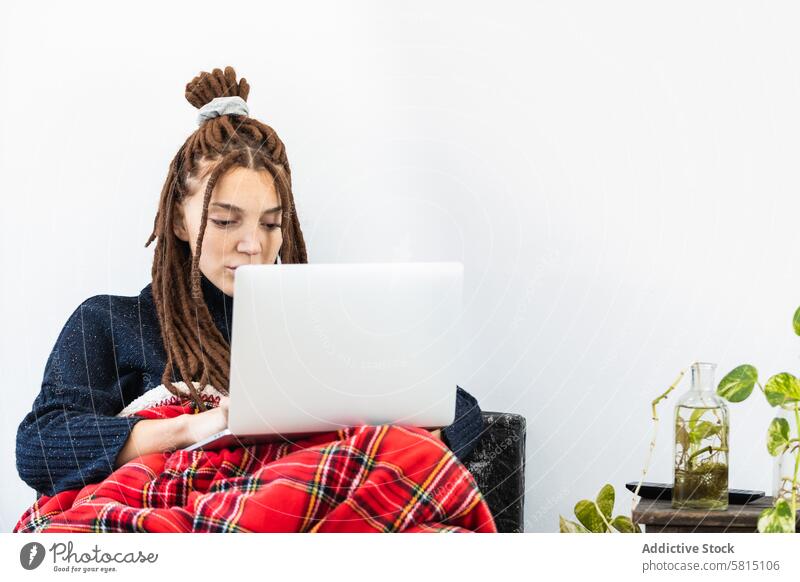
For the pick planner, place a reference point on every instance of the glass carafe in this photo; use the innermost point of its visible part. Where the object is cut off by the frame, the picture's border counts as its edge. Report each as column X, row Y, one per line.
column 701, row 445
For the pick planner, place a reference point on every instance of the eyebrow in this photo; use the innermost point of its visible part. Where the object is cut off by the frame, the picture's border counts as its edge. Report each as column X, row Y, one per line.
column 233, row 208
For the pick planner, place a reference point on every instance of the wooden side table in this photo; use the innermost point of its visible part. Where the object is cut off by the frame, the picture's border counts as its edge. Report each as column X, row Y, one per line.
column 658, row 517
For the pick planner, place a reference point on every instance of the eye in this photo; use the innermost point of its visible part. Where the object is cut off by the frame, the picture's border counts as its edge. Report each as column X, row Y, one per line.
column 222, row 223
column 272, row 226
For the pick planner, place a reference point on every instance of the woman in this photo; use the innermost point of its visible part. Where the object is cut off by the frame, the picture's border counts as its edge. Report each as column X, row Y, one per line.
column 227, row 201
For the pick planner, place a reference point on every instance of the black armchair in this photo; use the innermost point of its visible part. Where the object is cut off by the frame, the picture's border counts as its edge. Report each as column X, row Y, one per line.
column 498, row 465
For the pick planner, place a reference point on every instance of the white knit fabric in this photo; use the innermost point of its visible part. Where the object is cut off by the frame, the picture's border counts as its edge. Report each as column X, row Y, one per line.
column 161, row 396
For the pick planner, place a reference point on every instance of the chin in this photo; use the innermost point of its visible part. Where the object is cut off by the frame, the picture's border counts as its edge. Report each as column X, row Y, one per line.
column 225, row 282
column 227, row 288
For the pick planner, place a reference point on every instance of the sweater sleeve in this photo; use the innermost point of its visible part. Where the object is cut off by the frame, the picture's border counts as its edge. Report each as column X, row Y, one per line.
column 71, row 437
column 463, row 435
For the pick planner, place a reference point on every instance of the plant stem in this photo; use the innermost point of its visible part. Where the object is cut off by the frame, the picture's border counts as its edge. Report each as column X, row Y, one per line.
column 664, row 395
column 709, row 449
column 603, row 517
column 796, row 468
column 653, row 439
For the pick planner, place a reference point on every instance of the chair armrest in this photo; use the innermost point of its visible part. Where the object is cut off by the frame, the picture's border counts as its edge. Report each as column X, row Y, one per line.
column 498, row 465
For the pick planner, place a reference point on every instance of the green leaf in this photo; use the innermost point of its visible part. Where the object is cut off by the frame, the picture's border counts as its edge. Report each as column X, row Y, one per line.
column 567, row 526
column 738, row 383
column 703, row 430
column 778, row 519
column 587, row 513
column 696, row 414
column 624, row 524
column 605, row 500
column 796, row 321
column 777, row 436
column 781, row 389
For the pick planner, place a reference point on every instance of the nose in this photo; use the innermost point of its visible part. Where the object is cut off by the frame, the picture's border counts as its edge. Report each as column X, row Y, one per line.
column 249, row 244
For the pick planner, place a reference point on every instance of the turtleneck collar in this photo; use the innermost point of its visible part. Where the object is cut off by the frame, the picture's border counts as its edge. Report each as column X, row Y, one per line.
column 219, row 304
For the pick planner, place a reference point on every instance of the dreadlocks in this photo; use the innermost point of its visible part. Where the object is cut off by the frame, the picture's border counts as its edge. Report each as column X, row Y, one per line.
column 192, row 341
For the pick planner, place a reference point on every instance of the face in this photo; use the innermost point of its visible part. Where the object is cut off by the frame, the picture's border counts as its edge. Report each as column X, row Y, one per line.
column 244, row 224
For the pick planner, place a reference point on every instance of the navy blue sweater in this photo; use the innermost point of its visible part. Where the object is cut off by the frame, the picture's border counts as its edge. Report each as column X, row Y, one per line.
column 109, row 353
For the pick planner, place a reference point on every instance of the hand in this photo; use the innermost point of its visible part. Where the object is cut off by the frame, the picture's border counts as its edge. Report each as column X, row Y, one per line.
column 203, row 425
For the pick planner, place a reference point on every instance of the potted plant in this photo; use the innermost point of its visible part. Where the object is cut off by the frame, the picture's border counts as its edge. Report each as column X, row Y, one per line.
column 595, row 516
column 782, row 391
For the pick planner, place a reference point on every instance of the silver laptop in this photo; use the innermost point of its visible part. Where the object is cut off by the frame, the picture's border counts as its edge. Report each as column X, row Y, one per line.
column 320, row 347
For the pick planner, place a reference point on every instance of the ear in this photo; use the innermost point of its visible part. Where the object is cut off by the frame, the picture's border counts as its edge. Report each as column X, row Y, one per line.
column 178, row 223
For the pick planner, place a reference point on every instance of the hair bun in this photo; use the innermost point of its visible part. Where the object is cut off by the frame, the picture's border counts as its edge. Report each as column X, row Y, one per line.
column 207, row 86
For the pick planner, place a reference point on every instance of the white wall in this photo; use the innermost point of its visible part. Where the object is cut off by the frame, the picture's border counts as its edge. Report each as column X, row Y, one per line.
column 619, row 178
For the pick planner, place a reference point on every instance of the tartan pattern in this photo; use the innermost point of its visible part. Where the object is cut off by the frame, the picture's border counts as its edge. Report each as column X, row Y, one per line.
column 385, row 478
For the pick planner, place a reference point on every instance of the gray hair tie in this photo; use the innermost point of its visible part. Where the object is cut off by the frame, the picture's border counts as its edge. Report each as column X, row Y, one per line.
column 222, row 106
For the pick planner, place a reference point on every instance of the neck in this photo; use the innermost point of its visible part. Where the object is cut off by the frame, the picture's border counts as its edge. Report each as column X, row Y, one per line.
column 219, row 304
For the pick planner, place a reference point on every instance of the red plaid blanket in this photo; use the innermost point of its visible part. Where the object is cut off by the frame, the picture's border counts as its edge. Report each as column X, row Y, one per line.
column 361, row 479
